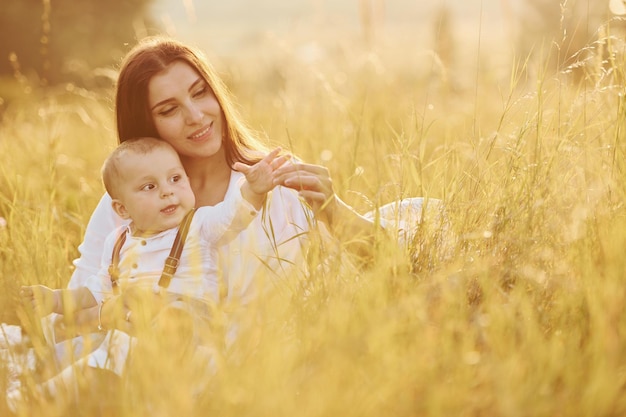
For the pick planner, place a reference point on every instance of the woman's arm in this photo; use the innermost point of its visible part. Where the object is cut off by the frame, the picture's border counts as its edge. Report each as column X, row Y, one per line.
column 102, row 222
column 315, row 186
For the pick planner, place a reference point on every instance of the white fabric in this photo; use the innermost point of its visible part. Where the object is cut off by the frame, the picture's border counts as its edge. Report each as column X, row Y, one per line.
column 112, row 354
column 141, row 259
column 10, row 335
column 405, row 216
column 274, row 242
column 274, row 245
column 141, row 263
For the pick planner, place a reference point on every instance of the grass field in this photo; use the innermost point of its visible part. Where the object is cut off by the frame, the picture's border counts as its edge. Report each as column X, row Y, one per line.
column 518, row 312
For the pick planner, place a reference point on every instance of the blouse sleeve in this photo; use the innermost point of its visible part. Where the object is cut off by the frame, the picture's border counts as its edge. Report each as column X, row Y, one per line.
column 403, row 218
column 103, row 221
column 100, row 283
column 223, row 222
column 271, row 249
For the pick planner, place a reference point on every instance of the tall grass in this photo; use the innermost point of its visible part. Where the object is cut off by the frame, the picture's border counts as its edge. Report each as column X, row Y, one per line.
column 520, row 312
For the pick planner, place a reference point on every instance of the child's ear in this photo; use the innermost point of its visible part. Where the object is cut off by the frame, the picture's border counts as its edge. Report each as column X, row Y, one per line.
column 120, row 209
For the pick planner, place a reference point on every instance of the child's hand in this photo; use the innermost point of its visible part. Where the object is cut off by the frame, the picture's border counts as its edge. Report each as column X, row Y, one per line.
column 260, row 176
column 41, row 299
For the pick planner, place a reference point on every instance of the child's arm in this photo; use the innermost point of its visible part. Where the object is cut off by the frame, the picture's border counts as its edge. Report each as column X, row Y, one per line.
column 44, row 300
column 260, row 177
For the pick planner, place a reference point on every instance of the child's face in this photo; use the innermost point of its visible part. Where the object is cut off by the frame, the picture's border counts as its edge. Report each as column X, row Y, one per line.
column 154, row 191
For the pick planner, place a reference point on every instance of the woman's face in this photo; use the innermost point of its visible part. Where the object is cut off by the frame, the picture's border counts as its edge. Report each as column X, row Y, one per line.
column 185, row 111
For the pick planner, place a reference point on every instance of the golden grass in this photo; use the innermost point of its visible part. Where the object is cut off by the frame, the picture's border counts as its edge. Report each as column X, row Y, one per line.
column 521, row 314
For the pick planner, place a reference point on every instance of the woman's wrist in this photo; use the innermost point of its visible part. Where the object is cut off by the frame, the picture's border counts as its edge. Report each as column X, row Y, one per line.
column 332, row 209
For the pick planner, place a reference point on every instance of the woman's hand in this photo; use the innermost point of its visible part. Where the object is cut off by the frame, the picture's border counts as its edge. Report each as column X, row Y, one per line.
column 314, row 185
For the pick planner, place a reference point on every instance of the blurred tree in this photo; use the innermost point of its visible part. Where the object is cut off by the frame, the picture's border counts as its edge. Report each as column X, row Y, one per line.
column 67, row 40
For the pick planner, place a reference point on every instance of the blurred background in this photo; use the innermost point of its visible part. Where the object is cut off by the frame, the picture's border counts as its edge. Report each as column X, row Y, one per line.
column 65, row 40
column 513, row 112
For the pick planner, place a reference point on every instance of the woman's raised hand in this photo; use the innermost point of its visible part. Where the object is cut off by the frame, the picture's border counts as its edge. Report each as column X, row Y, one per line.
column 314, row 185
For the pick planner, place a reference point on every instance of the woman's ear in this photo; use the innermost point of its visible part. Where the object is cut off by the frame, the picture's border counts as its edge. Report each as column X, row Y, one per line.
column 120, row 209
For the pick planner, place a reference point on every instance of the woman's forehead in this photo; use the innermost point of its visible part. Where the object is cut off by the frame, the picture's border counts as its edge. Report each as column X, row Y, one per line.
column 177, row 77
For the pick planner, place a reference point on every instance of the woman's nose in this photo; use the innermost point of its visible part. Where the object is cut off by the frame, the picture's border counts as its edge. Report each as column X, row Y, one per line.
column 193, row 114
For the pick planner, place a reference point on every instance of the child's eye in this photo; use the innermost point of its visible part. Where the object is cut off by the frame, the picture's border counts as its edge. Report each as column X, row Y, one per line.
column 147, row 187
column 176, row 178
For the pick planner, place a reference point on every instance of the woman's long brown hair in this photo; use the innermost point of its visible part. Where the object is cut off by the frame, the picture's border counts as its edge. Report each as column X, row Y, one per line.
column 151, row 56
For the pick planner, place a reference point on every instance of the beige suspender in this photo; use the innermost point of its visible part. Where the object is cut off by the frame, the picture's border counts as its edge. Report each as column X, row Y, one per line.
column 171, row 263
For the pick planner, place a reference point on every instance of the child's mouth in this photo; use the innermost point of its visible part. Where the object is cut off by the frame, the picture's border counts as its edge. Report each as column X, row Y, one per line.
column 169, row 209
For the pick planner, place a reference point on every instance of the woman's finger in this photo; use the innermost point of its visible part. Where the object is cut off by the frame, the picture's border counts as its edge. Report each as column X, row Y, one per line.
column 290, row 177
column 302, row 182
column 313, row 198
column 306, row 182
column 303, row 169
column 319, row 202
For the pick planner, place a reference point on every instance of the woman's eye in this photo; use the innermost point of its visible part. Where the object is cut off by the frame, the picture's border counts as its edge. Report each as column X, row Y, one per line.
column 201, row 91
column 167, row 111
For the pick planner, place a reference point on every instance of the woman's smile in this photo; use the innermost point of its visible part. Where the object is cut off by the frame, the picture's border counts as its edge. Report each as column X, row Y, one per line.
column 204, row 133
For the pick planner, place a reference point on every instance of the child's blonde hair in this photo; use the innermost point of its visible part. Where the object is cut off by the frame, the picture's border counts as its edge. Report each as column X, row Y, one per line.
column 111, row 175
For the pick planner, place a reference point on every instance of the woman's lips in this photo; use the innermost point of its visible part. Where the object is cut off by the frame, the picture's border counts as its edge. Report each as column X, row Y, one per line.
column 202, row 133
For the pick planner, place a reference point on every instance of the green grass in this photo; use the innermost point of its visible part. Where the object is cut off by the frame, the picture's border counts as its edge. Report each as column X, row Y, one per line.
column 519, row 314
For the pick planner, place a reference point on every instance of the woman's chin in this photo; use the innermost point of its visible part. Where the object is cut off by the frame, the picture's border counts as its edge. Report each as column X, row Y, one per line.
column 205, row 150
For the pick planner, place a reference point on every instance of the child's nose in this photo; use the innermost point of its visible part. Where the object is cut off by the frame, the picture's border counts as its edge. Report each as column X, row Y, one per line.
column 166, row 192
